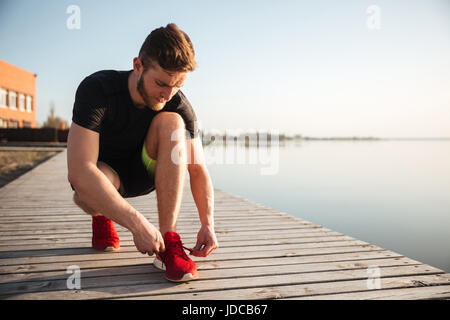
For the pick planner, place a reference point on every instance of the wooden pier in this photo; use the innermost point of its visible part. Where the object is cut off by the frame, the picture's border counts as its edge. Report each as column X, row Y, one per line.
column 263, row 254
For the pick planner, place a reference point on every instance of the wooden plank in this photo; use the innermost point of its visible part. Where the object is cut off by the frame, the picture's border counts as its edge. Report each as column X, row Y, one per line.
column 7, row 252
column 204, row 263
column 25, row 265
column 231, row 253
column 250, row 251
column 180, row 226
column 184, row 233
column 219, row 228
column 84, row 217
column 21, row 270
column 125, row 235
column 127, row 241
column 183, row 218
column 355, row 260
column 150, row 284
column 212, row 273
column 433, row 292
column 313, row 291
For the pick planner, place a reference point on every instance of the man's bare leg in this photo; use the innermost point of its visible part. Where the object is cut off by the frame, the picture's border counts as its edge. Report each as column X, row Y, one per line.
column 112, row 177
column 98, row 242
column 169, row 175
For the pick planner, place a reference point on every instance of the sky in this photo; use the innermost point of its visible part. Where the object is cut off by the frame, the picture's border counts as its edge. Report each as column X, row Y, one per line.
column 315, row 68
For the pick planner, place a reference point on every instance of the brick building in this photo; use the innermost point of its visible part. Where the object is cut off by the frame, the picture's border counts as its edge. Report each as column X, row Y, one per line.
column 17, row 97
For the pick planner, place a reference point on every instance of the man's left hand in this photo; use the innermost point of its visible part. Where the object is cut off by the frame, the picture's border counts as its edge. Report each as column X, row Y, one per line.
column 206, row 242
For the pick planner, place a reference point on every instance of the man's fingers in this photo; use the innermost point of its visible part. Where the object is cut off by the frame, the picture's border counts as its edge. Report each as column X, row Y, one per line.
column 162, row 247
column 197, row 250
column 198, row 246
column 160, row 243
column 206, row 251
column 197, row 253
column 210, row 249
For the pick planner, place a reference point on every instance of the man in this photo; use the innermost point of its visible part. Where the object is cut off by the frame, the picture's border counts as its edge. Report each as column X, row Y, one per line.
column 128, row 138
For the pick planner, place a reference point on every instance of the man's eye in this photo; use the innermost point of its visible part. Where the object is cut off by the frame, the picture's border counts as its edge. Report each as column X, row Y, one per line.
column 162, row 85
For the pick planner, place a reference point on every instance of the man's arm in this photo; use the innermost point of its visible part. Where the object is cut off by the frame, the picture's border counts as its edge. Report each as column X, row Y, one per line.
column 94, row 189
column 203, row 194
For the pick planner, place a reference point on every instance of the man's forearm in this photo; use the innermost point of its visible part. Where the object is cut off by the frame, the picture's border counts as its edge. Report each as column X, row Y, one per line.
column 203, row 193
column 98, row 193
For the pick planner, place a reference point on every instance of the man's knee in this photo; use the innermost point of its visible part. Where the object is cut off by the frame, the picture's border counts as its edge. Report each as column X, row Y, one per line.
column 166, row 127
column 165, row 122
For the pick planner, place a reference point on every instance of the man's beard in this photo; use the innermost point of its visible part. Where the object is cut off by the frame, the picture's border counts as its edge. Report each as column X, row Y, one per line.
column 147, row 99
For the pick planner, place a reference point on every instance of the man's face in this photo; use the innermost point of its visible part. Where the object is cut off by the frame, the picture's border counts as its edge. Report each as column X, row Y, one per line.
column 157, row 86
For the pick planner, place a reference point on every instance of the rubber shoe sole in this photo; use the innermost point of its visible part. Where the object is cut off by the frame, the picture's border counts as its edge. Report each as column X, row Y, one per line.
column 108, row 249
column 111, row 249
column 186, row 277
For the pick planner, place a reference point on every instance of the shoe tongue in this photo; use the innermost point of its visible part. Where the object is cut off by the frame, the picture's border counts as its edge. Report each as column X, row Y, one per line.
column 100, row 218
column 171, row 237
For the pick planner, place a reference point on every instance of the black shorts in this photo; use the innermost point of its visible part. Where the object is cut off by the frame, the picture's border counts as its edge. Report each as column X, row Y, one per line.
column 135, row 180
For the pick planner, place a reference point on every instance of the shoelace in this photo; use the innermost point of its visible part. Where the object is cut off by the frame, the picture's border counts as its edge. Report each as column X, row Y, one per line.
column 175, row 247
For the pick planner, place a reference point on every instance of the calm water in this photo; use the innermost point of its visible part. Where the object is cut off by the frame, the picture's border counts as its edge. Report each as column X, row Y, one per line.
column 391, row 193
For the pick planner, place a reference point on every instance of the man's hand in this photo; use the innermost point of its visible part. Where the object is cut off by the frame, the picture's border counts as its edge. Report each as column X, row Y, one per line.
column 148, row 239
column 206, row 242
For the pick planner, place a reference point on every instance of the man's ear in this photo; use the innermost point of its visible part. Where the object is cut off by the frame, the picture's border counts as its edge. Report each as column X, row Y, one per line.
column 137, row 66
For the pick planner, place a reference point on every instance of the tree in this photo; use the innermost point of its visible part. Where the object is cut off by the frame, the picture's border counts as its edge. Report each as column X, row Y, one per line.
column 54, row 121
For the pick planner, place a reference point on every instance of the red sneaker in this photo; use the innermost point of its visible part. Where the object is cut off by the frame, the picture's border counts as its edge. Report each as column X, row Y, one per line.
column 104, row 235
column 178, row 266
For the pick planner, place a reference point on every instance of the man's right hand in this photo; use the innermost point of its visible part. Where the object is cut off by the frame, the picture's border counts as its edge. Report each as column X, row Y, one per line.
column 148, row 239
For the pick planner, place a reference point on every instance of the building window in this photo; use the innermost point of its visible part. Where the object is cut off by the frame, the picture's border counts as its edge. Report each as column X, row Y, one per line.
column 13, row 123
column 27, row 124
column 3, row 99
column 12, row 99
column 21, row 102
column 29, row 105
column 3, row 123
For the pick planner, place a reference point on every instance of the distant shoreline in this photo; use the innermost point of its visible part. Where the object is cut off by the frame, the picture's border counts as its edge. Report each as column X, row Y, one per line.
column 208, row 138
column 371, row 138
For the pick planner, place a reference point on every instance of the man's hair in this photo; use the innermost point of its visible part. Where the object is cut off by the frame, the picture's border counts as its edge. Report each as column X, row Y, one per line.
column 170, row 47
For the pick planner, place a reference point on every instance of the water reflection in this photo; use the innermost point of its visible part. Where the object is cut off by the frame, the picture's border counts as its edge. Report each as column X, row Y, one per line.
column 392, row 193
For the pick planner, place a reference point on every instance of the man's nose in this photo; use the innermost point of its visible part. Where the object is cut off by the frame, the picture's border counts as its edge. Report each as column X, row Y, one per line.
column 168, row 93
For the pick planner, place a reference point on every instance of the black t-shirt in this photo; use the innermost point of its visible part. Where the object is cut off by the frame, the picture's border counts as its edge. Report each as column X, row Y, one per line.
column 103, row 104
